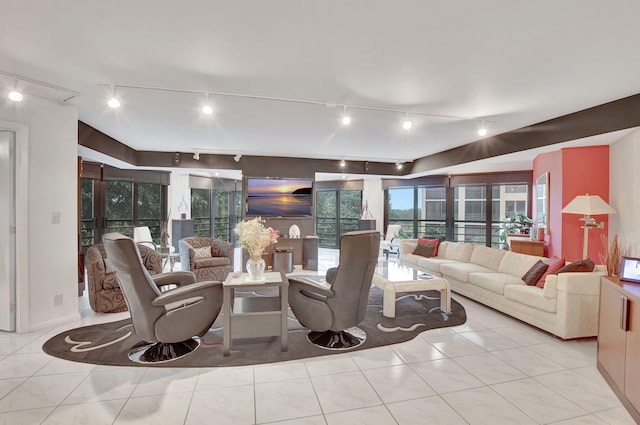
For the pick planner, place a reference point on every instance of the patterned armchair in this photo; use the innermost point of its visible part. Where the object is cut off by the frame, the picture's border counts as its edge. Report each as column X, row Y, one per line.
column 105, row 295
column 208, row 258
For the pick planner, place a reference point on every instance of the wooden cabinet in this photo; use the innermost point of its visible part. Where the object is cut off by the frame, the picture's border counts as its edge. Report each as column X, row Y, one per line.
column 527, row 246
column 619, row 341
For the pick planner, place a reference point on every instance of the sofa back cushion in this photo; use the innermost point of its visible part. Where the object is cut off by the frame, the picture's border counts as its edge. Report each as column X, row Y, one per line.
column 459, row 251
column 517, row 264
column 487, row 257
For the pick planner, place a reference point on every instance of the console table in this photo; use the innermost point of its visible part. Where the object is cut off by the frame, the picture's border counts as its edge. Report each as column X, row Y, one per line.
column 526, row 246
column 305, row 252
column 619, row 341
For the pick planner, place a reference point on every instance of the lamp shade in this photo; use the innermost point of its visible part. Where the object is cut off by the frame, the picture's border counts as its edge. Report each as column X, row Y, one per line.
column 588, row 205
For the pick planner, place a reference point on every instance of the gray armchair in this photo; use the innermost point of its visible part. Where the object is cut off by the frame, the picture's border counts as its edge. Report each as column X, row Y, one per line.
column 331, row 312
column 168, row 321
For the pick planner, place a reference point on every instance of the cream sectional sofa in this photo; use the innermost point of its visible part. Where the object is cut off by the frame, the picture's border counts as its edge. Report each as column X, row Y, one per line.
column 567, row 306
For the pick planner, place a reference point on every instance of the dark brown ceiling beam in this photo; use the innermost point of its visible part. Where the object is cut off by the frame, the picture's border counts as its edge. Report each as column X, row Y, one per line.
column 612, row 116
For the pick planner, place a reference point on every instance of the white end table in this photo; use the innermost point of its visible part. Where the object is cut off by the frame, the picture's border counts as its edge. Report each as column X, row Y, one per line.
column 252, row 317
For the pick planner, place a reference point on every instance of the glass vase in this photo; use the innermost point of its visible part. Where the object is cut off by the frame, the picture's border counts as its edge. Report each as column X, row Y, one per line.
column 255, row 267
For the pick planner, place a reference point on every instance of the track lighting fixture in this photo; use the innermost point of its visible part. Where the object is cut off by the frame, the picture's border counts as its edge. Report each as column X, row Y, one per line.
column 482, row 131
column 237, row 157
column 407, row 124
column 196, row 156
column 15, row 95
column 206, row 108
column 346, row 119
column 399, row 165
column 113, row 101
column 343, row 163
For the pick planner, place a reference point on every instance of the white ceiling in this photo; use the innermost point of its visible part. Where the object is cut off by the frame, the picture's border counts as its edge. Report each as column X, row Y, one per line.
column 510, row 63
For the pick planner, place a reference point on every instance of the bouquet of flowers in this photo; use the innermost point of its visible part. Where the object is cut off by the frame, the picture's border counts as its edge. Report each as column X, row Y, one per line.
column 254, row 236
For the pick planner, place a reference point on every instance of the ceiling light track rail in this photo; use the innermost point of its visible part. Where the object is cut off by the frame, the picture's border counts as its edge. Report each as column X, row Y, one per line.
column 18, row 77
column 292, row 100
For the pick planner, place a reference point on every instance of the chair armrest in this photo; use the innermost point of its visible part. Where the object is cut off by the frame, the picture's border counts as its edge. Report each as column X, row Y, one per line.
column 308, row 287
column 181, row 293
column 178, row 278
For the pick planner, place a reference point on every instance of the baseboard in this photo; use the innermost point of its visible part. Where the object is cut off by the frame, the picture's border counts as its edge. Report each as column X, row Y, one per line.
column 52, row 323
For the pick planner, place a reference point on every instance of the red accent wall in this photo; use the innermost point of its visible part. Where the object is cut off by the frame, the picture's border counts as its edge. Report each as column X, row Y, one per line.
column 573, row 172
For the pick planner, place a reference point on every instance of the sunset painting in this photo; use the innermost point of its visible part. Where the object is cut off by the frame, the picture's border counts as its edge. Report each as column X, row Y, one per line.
column 279, row 197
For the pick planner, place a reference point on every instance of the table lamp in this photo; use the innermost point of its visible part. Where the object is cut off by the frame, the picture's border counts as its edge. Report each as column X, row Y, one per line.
column 588, row 205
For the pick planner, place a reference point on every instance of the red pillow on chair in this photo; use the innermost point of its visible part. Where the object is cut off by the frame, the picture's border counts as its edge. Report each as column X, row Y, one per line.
column 431, row 242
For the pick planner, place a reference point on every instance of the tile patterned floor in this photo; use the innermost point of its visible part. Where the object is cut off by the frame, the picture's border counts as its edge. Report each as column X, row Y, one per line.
column 491, row 370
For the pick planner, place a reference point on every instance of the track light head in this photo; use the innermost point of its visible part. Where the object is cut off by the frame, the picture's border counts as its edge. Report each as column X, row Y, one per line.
column 196, row 156
column 407, row 125
column 343, row 163
column 207, row 110
column 399, row 165
column 15, row 96
column 482, row 131
column 237, row 157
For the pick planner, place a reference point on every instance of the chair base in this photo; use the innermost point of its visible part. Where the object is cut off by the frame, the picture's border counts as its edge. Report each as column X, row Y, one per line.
column 162, row 352
column 338, row 340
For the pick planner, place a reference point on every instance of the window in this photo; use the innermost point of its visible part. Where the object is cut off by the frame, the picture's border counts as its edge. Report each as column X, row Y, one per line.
column 337, row 212
column 470, row 207
column 215, row 207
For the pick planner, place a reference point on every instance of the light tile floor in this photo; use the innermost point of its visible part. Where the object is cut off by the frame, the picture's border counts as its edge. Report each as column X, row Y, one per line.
column 491, row 370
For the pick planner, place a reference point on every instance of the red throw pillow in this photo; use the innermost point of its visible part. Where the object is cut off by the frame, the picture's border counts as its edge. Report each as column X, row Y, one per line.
column 555, row 264
column 433, row 242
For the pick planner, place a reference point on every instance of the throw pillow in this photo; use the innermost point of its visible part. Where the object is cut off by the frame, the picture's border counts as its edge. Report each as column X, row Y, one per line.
column 554, row 264
column 585, row 265
column 204, row 252
column 424, row 250
column 432, row 242
column 531, row 277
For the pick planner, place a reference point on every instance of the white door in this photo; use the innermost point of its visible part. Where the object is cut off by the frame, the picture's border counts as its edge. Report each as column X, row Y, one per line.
column 7, row 232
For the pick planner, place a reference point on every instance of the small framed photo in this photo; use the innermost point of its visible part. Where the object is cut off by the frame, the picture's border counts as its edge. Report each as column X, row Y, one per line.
column 630, row 269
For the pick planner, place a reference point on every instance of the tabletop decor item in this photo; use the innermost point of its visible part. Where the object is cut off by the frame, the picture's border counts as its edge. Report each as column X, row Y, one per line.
column 255, row 237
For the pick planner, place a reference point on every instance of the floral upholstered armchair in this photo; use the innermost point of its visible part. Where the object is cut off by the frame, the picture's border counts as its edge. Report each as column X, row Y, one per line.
column 105, row 295
column 207, row 258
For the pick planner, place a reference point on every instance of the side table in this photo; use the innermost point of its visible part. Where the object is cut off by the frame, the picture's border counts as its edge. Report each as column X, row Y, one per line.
column 252, row 317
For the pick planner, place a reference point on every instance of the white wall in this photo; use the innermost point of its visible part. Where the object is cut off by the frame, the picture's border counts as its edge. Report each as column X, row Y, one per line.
column 372, row 193
column 46, row 169
column 624, row 181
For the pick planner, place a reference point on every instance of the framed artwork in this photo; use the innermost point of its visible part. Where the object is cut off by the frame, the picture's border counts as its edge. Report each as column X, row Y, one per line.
column 542, row 202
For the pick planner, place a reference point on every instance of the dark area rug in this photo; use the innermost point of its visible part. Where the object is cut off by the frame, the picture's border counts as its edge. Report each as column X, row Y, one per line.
column 109, row 343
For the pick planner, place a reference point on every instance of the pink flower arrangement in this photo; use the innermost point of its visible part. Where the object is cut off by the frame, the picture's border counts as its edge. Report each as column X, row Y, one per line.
column 254, row 236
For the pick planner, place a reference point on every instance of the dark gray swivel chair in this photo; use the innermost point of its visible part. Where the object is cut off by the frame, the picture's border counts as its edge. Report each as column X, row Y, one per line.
column 168, row 321
column 331, row 312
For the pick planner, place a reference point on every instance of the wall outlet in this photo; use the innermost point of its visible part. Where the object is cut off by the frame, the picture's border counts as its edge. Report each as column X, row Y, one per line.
column 57, row 299
column 55, row 218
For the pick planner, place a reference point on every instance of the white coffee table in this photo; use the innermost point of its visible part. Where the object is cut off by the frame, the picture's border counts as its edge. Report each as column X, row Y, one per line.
column 393, row 278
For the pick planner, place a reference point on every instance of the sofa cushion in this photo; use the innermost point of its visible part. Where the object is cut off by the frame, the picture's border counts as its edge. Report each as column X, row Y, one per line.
column 530, row 296
column 212, row 262
column 460, row 271
column 554, row 264
column 517, row 264
column 203, row 252
column 494, row 281
column 459, row 252
column 430, row 242
column 532, row 276
column 432, row 264
column 424, row 250
column 442, row 249
column 585, row 265
column 488, row 257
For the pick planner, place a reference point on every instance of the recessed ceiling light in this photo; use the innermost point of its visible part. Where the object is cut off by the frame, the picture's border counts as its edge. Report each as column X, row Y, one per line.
column 16, row 96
